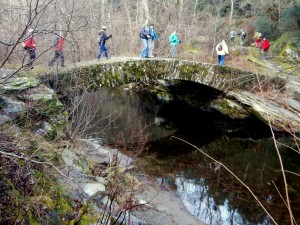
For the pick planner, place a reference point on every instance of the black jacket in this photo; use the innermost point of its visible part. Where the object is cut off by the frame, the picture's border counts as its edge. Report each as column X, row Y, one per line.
column 103, row 37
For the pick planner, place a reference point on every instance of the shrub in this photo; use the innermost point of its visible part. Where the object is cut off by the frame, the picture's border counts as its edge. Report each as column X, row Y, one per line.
column 290, row 19
column 267, row 27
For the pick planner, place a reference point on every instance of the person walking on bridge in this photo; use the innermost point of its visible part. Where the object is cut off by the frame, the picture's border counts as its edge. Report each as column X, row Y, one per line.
column 153, row 36
column 30, row 46
column 222, row 51
column 174, row 41
column 145, row 36
column 59, row 45
column 102, row 38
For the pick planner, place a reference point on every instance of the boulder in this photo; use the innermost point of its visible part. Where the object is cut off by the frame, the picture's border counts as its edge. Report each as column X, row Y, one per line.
column 229, row 108
column 16, row 83
column 10, row 109
column 290, row 52
column 92, row 188
column 281, row 118
column 11, row 106
column 39, row 93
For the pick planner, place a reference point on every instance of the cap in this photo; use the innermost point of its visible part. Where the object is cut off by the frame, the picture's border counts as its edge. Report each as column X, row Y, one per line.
column 30, row 31
column 104, row 27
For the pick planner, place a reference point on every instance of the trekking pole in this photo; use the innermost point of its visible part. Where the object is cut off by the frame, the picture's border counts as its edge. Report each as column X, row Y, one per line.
column 157, row 53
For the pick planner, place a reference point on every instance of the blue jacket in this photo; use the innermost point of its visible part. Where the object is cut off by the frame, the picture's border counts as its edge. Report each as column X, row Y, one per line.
column 153, row 34
column 173, row 39
column 144, row 32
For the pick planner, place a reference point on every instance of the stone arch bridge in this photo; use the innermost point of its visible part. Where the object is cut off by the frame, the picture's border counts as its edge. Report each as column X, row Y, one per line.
column 273, row 99
column 95, row 75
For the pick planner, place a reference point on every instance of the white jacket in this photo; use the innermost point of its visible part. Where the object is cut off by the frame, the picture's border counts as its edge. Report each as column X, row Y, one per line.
column 224, row 50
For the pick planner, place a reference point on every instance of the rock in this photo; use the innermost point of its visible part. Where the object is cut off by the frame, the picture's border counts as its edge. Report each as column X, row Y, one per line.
column 4, row 73
column 101, row 180
column 229, row 108
column 292, row 103
column 290, row 51
column 4, row 119
column 45, row 128
column 19, row 83
column 92, row 188
column 74, row 162
column 281, row 118
column 9, row 105
column 39, row 93
column 10, row 108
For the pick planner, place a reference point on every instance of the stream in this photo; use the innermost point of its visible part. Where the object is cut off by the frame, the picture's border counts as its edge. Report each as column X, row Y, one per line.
column 169, row 141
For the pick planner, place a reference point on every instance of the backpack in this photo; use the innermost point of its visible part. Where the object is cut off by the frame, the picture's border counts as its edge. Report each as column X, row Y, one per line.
column 220, row 47
column 141, row 32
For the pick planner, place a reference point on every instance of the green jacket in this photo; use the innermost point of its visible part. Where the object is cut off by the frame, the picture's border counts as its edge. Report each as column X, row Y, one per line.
column 173, row 39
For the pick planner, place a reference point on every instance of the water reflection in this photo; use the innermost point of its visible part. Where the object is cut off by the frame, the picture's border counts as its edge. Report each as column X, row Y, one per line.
column 199, row 201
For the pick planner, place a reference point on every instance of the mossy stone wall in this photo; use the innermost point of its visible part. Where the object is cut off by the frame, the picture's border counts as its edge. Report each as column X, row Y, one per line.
column 110, row 74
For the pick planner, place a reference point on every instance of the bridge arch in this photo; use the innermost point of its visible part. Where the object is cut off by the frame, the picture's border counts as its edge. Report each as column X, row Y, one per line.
column 95, row 75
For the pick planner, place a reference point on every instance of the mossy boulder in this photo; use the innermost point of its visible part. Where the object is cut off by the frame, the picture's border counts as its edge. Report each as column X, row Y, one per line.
column 18, row 83
column 43, row 99
column 290, row 52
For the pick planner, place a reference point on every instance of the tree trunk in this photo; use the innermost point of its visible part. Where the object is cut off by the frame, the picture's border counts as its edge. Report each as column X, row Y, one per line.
column 129, row 24
column 146, row 9
column 231, row 12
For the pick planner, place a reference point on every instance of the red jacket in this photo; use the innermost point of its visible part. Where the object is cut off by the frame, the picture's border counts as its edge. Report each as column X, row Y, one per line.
column 265, row 45
column 30, row 43
column 59, row 44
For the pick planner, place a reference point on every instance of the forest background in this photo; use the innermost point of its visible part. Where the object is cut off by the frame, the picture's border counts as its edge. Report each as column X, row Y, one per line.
column 201, row 24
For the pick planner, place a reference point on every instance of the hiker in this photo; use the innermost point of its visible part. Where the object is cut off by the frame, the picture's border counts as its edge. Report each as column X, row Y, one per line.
column 145, row 36
column 102, row 38
column 174, row 41
column 242, row 35
column 59, row 45
column 30, row 46
column 153, row 36
column 258, row 37
column 232, row 35
column 222, row 51
column 265, row 45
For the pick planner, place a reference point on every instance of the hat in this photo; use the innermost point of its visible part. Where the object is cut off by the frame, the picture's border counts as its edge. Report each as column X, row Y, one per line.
column 30, row 31
column 104, row 27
